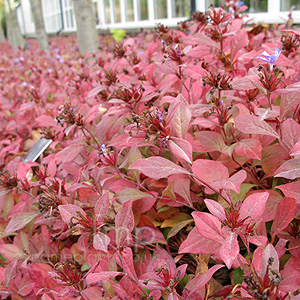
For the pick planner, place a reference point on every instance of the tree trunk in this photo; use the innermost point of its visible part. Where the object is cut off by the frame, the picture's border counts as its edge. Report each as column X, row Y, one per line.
column 14, row 34
column 41, row 35
column 87, row 34
column 2, row 37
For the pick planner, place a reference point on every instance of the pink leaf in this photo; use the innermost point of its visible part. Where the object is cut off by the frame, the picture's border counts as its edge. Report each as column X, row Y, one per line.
column 91, row 293
column 291, row 189
column 296, row 149
column 216, row 209
column 230, row 249
column 250, row 148
column 208, row 226
column 269, row 253
column 210, row 140
column 124, row 223
column 181, row 148
column 288, row 102
column 200, row 280
column 127, row 262
column 101, row 241
column 285, row 213
column 253, row 125
column 19, row 220
column 68, row 211
column 235, row 181
column 101, row 208
column 238, row 42
column 253, row 206
column 192, row 243
column 290, row 169
column 211, row 172
column 11, row 252
column 179, row 117
column 157, row 167
column 98, row 277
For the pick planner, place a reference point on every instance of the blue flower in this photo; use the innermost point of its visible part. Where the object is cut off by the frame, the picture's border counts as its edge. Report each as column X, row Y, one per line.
column 271, row 59
column 240, row 3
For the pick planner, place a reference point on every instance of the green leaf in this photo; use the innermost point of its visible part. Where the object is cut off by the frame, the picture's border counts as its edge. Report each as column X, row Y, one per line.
column 238, row 275
column 118, row 34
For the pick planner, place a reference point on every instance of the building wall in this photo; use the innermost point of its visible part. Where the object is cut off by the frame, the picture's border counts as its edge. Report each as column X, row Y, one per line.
column 130, row 14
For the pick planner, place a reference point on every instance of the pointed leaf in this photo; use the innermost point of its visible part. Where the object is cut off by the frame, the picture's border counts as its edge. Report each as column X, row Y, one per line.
column 11, row 252
column 124, row 223
column 216, row 209
column 238, row 42
column 235, row 181
column 101, row 241
column 285, row 213
column 290, row 169
column 200, row 280
column 68, row 211
column 208, row 226
column 250, row 148
column 253, row 206
column 101, row 208
column 157, row 167
column 210, row 140
column 230, row 249
column 253, row 125
column 19, row 220
column 181, row 148
column 211, row 172
column 291, row 189
column 269, row 252
column 288, row 102
column 130, row 194
column 98, row 277
column 179, row 117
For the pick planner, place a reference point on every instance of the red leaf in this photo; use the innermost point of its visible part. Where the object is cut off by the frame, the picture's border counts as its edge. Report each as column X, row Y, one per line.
column 208, row 226
column 200, row 280
column 101, row 208
column 98, row 277
column 127, row 262
column 235, row 181
column 291, row 189
column 179, row 116
column 11, row 252
column 253, row 125
column 216, row 209
column 68, row 211
column 124, row 222
column 101, row 241
column 238, row 42
column 288, row 102
column 250, row 148
column 285, row 213
column 19, row 220
column 253, row 206
column 230, row 249
column 157, row 167
column 290, row 133
column 269, row 252
column 211, row 172
column 181, row 148
column 290, row 169
column 210, row 140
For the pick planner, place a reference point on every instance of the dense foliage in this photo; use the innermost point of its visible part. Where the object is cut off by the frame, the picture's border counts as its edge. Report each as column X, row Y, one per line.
column 173, row 168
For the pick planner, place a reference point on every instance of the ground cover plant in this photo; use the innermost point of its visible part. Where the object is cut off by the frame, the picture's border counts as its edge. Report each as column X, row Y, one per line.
column 173, row 168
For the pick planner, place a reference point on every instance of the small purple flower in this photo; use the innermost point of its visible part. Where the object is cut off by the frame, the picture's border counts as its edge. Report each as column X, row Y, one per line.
column 103, row 148
column 160, row 117
column 271, row 59
column 240, row 3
